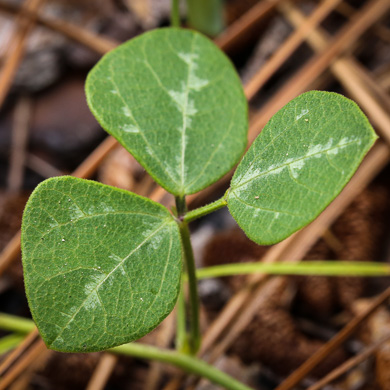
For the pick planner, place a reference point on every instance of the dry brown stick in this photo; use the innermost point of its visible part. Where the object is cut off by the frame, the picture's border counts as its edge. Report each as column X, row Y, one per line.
column 350, row 75
column 10, row 252
column 289, row 46
column 226, row 41
column 42, row 167
column 380, row 30
column 79, row 34
column 17, row 45
column 383, row 77
column 299, row 82
column 368, row 78
column 102, row 372
column 25, row 361
column 88, row 167
column 20, row 129
column 230, row 38
column 16, row 353
column 350, row 363
column 333, row 344
column 23, row 381
column 383, row 32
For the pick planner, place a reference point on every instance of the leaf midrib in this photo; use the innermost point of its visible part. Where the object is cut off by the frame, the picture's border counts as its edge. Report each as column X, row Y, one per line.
column 266, row 173
column 185, row 108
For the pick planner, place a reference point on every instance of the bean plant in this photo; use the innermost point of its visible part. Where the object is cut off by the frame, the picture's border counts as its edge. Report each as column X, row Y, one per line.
column 104, row 266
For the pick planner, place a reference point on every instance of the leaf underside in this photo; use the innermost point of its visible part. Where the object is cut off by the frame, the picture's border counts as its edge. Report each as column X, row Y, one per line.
column 101, row 265
column 299, row 163
column 175, row 102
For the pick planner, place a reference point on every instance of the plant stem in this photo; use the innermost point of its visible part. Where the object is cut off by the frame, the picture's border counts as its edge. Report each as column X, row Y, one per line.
column 181, row 206
column 194, row 338
column 10, row 342
column 15, row 324
column 187, row 363
column 201, row 211
column 324, row 268
column 181, row 331
column 175, row 14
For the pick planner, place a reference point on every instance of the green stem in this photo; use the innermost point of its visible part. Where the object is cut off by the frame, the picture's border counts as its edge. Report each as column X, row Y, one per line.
column 181, row 332
column 175, row 14
column 201, row 211
column 193, row 306
column 324, row 268
column 15, row 324
column 187, row 363
column 7, row 343
column 181, row 206
column 193, row 336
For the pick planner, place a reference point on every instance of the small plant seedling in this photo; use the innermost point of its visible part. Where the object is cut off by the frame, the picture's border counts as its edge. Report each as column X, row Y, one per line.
column 103, row 266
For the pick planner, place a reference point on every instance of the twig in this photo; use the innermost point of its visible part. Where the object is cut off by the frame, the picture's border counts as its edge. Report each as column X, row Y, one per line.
column 368, row 78
column 231, row 37
column 350, row 363
column 16, row 353
column 299, row 82
column 380, row 30
column 79, row 34
column 350, row 75
column 20, row 129
column 17, row 46
column 102, row 372
column 23, row 363
column 288, row 47
column 88, row 167
column 42, row 167
column 10, row 252
column 333, row 344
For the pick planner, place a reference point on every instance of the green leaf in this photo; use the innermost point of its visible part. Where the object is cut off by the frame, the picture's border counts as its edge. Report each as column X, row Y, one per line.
column 101, row 265
column 174, row 101
column 299, row 163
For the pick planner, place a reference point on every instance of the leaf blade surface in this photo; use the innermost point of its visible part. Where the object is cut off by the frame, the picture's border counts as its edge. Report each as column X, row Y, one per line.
column 101, row 265
column 299, row 163
column 175, row 102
